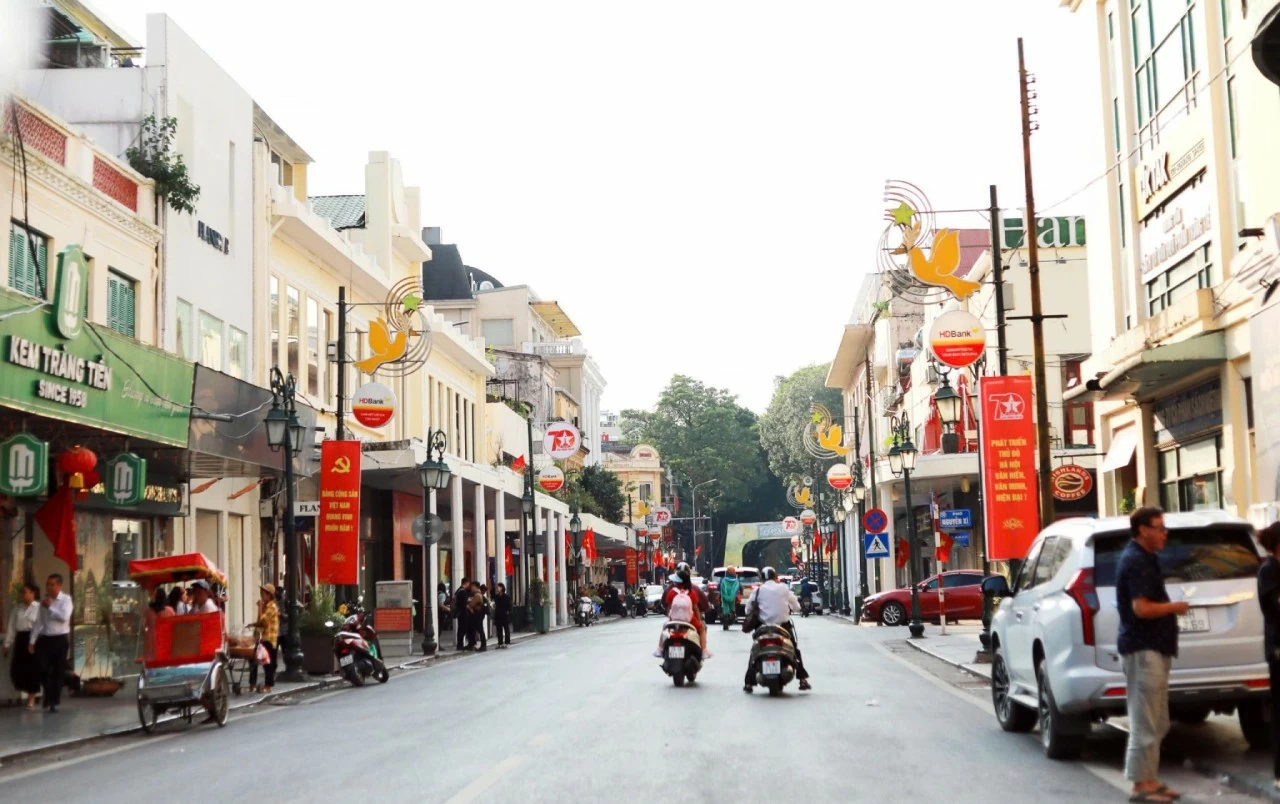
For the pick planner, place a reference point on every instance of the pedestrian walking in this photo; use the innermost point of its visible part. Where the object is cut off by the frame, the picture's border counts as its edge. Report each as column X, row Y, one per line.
column 476, row 639
column 446, row 611
column 1148, row 642
column 502, row 615
column 268, row 625
column 460, row 598
column 51, row 640
column 1269, row 600
column 24, row 669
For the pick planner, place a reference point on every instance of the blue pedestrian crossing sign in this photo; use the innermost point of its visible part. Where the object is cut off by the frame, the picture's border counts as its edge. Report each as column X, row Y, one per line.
column 875, row 545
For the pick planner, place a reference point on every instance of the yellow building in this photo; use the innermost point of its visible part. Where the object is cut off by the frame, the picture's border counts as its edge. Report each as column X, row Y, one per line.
column 639, row 469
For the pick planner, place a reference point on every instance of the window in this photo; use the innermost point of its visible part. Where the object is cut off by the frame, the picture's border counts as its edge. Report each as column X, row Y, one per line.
column 210, row 341
column 25, row 275
column 964, row 579
column 1052, row 555
column 331, row 392
column 273, row 323
column 1077, row 416
column 1191, row 475
column 646, row 491
column 1218, row 553
column 1164, row 57
column 932, row 585
column 1023, row 581
column 184, row 329
column 1186, row 277
column 236, row 353
column 313, row 348
column 498, row 331
column 121, row 305
column 1232, row 112
column 293, row 331
column 1248, row 401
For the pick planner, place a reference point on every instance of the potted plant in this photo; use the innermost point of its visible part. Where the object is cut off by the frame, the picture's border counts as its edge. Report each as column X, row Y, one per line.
column 317, row 638
column 541, row 600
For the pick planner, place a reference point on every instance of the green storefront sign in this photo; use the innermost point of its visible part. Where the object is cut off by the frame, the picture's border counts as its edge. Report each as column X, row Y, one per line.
column 93, row 376
column 24, row 466
column 125, row 479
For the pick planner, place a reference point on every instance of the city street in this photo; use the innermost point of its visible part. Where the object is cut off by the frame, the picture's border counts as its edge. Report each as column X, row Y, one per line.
column 586, row 715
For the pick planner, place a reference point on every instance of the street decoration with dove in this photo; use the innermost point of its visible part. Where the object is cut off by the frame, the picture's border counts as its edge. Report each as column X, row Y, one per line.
column 799, row 497
column 400, row 339
column 900, row 254
column 823, row 438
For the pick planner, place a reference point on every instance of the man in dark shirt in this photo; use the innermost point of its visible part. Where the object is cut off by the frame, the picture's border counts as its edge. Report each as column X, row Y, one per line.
column 1148, row 641
column 460, row 598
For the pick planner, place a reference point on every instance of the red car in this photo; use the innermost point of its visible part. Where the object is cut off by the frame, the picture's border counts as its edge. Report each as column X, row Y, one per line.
column 963, row 600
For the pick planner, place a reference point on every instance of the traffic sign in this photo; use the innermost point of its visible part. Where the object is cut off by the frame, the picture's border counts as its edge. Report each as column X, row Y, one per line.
column 790, row 525
column 875, row 521
column 961, row 538
column 875, row 545
column 955, row 519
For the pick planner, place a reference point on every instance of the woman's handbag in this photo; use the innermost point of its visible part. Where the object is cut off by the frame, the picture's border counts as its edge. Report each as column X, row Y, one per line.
column 261, row 655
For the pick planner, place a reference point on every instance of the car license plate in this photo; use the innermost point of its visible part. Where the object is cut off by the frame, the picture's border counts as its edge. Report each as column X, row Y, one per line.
column 1194, row 620
column 772, row 667
column 346, row 660
column 675, row 652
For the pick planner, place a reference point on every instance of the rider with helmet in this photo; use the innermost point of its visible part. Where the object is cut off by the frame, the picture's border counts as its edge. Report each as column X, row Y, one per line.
column 776, row 603
column 730, row 589
column 682, row 583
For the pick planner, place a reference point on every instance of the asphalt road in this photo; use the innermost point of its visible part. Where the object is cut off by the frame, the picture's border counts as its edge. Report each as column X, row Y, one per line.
column 586, row 715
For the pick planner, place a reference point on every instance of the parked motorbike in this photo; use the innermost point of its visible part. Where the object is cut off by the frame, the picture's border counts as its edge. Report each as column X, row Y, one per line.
column 681, row 652
column 358, row 650
column 773, row 655
column 584, row 612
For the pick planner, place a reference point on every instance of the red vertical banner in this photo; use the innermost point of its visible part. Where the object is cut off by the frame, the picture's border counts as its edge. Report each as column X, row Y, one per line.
column 337, row 529
column 1009, row 463
column 633, row 566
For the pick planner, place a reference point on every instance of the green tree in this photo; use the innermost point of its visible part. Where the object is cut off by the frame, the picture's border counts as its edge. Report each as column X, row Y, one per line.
column 598, row 491
column 782, row 425
column 154, row 158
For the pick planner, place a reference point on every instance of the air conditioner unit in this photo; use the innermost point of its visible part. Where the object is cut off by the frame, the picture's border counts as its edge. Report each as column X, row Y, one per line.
column 931, row 375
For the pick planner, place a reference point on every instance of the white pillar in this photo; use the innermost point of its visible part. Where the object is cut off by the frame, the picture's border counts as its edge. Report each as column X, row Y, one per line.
column 538, row 567
column 458, row 565
column 433, row 575
column 500, row 538
column 552, row 547
column 481, row 535
column 564, row 573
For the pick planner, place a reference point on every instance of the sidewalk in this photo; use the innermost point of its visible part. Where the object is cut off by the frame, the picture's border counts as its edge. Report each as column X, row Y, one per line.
column 1214, row 748
column 80, row 720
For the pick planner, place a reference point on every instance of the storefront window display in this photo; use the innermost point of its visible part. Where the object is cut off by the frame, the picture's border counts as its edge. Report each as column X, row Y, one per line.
column 1191, row 476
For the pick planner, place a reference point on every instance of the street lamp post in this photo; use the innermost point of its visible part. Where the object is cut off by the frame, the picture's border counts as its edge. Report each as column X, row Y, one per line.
column 902, row 460
column 285, row 432
column 435, row 476
column 841, row 513
column 526, row 511
column 575, row 528
column 694, row 495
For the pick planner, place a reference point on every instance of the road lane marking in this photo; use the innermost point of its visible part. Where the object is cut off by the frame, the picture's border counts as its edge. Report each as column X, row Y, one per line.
column 472, row 791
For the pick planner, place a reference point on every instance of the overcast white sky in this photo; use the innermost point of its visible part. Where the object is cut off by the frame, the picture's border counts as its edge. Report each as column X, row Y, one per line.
column 698, row 183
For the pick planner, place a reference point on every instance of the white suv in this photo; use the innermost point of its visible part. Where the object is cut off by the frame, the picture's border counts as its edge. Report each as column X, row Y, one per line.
column 1054, row 634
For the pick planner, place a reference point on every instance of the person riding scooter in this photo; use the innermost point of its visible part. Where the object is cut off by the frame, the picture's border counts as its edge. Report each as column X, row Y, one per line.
column 730, row 590
column 776, row 603
column 682, row 584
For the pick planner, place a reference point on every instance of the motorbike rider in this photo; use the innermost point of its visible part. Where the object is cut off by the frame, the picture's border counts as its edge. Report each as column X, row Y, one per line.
column 682, row 580
column 777, row 603
column 806, row 590
column 730, row 589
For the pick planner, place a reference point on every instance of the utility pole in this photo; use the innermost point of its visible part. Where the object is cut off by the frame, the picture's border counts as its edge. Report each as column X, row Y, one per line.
column 997, row 276
column 871, row 439
column 1037, row 315
column 340, row 403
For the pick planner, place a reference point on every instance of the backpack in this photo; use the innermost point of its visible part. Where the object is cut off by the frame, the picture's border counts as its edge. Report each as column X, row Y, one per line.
column 681, row 609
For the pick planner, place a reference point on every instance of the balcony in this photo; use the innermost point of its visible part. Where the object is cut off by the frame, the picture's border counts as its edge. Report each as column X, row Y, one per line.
column 573, row 348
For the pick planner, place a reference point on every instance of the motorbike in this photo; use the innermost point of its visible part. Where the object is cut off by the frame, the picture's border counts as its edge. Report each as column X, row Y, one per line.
column 584, row 612
column 358, row 650
column 729, row 617
column 639, row 607
column 806, row 606
column 681, row 652
column 773, row 655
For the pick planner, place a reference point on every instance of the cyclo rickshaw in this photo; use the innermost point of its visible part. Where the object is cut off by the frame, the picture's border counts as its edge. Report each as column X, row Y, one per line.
column 185, row 662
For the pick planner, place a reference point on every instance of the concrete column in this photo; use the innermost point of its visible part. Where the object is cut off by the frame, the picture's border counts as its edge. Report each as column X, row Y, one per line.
column 481, row 536
column 457, row 566
column 433, row 574
column 500, row 537
column 564, row 573
column 539, row 569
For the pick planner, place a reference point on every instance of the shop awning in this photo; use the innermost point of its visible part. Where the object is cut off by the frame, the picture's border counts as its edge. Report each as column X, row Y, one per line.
column 1143, row 375
column 1123, row 445
column 556, row 318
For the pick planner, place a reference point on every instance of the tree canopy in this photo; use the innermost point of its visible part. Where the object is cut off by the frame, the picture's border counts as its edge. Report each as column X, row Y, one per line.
column 599, row 491
column 782, row 425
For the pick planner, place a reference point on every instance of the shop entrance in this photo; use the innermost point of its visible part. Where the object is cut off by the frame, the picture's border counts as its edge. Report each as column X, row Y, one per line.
column 412, row 565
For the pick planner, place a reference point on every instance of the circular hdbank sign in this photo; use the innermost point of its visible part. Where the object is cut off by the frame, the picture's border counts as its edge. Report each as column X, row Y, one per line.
column 957, row 338
column 839, row 476
column 373, row 404
column 551, row 479
column 1071, row 482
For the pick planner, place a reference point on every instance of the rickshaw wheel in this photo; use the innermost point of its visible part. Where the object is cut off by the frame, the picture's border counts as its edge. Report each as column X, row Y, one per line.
column 219, row 708
column 147, row 716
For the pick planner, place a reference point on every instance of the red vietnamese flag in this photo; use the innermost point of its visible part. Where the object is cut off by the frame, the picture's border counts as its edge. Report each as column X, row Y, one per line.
column 697, row 551
column 589, row 544
column 57, row 518
column 518, row 465
column 511, row 566
column 902, row 556
column 942, row 554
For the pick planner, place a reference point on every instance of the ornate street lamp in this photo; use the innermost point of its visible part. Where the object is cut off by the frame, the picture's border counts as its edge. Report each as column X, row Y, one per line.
column 285, row 434
column 902, row 461
column 435, row 476
column 947, row 402
column 575, row 528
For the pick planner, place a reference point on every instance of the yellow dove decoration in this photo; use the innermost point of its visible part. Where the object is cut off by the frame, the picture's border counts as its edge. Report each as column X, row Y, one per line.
column 938, row 269
column 805, row 497
column 832, row 439
column 385, row 348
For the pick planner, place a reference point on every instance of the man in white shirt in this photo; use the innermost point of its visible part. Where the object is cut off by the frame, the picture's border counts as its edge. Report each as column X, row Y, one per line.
column 776, row 603
column 51, row 639
column 203, row 602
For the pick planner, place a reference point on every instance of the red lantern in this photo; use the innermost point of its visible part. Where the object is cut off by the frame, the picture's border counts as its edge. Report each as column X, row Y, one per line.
column 76, row 463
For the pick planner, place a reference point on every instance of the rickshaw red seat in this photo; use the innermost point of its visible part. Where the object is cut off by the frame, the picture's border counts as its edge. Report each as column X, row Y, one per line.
column 186, row 639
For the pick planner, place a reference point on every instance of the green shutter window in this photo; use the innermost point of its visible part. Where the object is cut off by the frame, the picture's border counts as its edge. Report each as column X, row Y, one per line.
column 121, row 304
column 24, row 276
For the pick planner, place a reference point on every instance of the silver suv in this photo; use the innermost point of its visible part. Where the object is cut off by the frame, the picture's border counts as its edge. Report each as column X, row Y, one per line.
column 1054, row 635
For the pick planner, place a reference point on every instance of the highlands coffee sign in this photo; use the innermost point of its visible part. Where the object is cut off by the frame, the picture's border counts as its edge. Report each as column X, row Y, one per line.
column 60, row 366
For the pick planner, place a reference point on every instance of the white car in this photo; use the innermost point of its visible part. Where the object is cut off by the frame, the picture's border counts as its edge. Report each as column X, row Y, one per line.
column 1054, row 635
